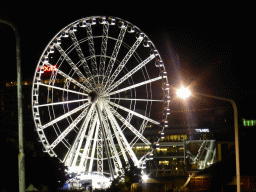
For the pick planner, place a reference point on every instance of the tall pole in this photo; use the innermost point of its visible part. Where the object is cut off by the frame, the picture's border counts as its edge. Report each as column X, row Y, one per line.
column 21, row 156
column 236, row 135
column 236, row 146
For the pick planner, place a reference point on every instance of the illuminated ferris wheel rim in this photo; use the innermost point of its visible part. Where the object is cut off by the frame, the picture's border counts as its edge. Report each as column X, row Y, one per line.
column 97, row 83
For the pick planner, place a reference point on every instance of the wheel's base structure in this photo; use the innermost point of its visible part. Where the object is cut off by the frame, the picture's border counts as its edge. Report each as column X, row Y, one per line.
column 99, row 83
column 88, row 180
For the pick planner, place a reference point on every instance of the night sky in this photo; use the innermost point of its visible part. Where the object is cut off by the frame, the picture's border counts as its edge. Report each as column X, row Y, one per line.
column 209, row 48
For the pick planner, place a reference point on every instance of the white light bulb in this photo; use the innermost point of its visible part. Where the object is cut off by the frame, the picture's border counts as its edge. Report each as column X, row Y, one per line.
column 183, row 92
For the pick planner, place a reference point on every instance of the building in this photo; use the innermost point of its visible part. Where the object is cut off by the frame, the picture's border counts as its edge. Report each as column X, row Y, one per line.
column 208, row 125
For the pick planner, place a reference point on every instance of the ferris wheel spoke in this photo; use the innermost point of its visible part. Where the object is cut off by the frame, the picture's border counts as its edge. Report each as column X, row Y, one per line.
column 129, row 99
column 73, row 81
column 103, row 51
column 80, row 54
column 133, row 112
column 64, row 116
column 91, row 49
column 114, row 54
column 69, row 128
column 141, row 130
column 63, row 102
column 124, row 61
column 123, row 143
column 130, row 73
column 134, row 86
column 72, row 65
column 129, row 126
column 63, row 89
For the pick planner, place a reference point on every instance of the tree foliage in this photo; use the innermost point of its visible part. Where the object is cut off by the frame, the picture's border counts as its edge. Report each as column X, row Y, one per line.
column 124, row 183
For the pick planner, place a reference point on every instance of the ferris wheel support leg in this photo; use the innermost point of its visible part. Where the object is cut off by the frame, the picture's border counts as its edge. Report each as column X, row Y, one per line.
column 75, row 145
column 100, row 152
column 109, row 143
column 87, row 145
column 120, row 136
column 104, row 139
column 112, row 147
column 81, row 136
column 94, row 146
column 117, row 134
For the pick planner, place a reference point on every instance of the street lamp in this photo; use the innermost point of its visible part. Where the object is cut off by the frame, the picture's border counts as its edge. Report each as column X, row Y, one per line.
column 185, row 93
column 21, row 156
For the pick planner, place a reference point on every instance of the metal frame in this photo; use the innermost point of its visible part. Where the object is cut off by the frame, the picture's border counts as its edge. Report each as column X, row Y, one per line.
column 91, row 129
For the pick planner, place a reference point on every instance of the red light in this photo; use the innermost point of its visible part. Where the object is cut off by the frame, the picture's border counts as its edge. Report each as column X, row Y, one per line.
column 50, row 68
column 47, row 69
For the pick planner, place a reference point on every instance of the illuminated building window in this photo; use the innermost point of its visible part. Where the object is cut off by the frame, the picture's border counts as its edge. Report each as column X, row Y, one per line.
column 141, row 147
column 172, row 138
column 248, row 123
column 163, row 162
column 162, row 149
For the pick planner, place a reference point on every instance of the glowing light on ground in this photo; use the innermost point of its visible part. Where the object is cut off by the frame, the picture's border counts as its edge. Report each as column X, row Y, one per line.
column 144, row 177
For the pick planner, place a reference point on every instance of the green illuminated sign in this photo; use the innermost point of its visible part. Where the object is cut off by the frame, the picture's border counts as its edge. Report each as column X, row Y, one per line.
column 248, row 123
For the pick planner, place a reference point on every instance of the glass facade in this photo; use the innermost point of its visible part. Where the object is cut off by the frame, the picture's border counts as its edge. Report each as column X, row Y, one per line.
column 170, row 158
column 169, row 151
column 167, row 167
column 200, row 154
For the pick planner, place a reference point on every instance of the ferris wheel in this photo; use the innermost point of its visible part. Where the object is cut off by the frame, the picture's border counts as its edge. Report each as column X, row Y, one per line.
column 99, row 83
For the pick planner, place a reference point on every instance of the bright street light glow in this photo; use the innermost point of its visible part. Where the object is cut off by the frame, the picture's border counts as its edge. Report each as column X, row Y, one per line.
column 144, row 177
column 183, row 93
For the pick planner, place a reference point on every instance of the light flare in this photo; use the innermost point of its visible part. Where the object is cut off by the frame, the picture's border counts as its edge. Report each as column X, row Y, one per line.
column 183, row 93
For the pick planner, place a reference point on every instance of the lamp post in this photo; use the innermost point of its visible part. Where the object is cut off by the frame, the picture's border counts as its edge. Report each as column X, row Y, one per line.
column 185, row 93
column 21, row 156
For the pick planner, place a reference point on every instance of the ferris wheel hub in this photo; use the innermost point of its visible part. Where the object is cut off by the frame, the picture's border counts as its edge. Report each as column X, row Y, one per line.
column 93, row 97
